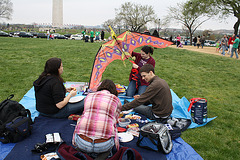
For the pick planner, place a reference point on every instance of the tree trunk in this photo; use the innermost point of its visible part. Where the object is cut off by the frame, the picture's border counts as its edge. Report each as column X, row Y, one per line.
column 236, row 26
column 190, row 34
column 190, row 38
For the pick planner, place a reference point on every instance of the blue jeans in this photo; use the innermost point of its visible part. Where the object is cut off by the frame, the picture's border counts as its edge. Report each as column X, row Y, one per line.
column 147, row 111
column 131, row 90
column 70, row 108
column 89, row 147
column 234, row 50
column 223, row 49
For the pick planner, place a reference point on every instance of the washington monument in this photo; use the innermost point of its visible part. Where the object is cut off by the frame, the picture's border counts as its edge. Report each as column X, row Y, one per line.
column 57, row 13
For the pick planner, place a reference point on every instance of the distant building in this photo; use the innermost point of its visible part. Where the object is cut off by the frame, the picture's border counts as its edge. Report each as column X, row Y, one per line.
column 57, row 13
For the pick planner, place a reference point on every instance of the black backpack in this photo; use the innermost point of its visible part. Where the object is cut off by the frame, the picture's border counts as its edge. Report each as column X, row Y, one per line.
column 15, row 121
column 177, row 126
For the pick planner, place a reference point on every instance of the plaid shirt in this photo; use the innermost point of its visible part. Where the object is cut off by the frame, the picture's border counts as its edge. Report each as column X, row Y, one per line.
column 99, row 118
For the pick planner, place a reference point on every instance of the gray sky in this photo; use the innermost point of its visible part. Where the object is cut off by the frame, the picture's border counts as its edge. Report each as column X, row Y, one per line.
column 94, row 12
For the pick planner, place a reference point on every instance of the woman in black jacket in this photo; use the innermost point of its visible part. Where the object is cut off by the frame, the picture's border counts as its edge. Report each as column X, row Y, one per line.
column 50, row 92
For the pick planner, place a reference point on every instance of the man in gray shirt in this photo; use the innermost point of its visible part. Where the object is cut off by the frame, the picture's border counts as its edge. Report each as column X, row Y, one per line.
column 157, row 93
column 224, row 43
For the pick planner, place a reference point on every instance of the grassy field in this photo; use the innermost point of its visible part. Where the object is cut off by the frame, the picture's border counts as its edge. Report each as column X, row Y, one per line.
column 189, row 74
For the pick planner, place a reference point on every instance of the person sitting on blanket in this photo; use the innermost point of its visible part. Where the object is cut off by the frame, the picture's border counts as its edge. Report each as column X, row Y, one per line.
column 157, row 93
column 50, row 92
column 136, row 83
column 96, row 130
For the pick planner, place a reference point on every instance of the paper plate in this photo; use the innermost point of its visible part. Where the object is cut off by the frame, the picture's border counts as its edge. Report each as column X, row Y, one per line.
column 125, row 137
column 76, row 99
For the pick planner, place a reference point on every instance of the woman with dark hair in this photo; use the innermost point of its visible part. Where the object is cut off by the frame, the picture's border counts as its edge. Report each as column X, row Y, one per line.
column 50, row 92
column 136, row 84
column 96, row 131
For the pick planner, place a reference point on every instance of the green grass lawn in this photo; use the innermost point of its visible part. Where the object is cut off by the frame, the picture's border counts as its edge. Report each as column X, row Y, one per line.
column 189, row 74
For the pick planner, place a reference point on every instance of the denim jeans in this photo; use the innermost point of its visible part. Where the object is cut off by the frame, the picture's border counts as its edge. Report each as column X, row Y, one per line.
column 223, row 49
column 89, row 147
column 147, row 111
column 131, row 90
column 70, row 108
column 234, row 50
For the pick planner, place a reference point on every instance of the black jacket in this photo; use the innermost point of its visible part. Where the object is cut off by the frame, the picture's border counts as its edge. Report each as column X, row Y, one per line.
column 48, row 92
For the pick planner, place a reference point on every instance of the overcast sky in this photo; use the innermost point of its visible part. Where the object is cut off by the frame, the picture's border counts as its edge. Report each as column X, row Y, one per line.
column 94, row 12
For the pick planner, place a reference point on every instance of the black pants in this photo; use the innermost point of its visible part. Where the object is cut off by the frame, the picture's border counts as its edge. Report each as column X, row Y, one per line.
column 91, row 39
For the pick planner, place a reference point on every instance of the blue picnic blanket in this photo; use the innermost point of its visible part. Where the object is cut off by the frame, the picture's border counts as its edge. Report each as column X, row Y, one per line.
column 180, row 148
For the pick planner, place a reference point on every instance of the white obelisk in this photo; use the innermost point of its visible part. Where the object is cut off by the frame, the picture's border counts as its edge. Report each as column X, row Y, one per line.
column 57, row 13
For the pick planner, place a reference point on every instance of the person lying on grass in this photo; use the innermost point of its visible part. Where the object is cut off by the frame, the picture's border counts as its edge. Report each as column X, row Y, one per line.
column 50, row 92
column 96, row 131
column 157, row 93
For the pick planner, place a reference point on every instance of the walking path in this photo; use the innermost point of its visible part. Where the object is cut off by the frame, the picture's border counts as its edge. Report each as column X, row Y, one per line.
column 205, row 49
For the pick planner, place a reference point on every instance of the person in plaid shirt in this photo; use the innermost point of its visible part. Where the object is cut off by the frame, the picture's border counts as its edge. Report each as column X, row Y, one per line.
column 96, row 130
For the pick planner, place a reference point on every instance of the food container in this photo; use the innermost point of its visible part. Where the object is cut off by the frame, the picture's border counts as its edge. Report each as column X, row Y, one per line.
column 123, row 122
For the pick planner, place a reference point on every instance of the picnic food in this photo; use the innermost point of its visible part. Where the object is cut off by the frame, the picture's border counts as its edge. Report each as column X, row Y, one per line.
column 130, row 116
column 121, row 114
column 132, row 125
column 134, row 131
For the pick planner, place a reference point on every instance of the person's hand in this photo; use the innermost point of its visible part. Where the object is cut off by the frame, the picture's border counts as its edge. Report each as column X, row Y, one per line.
column 136, row 96
column 73, row 93
column 135, row 65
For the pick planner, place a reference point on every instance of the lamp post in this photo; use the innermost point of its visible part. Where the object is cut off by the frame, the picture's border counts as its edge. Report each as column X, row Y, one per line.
column 119, row 29
column 159, row 25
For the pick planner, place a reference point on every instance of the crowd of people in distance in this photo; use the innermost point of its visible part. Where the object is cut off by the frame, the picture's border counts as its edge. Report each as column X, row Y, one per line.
column 229, row 44
column 93, row 36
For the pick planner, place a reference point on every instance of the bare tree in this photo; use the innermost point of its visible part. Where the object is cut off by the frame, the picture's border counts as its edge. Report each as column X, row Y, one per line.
column 110, row 22
column 188, row 14
column 135, row 16
column 6, row 9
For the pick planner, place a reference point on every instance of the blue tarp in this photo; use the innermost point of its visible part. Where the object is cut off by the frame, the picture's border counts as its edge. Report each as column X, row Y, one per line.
column 181, row 149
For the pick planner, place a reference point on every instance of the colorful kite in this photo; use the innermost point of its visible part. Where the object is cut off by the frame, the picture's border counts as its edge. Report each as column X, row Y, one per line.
column 120, row 48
